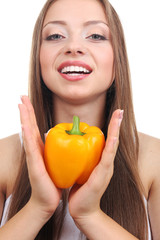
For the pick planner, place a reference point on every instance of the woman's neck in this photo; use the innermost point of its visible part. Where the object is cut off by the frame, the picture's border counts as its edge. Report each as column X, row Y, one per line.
column 91, row 112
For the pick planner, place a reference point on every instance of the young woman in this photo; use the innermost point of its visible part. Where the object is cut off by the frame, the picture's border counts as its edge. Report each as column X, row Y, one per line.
column 79, row 67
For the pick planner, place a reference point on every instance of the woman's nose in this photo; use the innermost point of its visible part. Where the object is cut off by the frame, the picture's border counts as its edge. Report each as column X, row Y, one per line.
column 74, row 48
column 74, row 51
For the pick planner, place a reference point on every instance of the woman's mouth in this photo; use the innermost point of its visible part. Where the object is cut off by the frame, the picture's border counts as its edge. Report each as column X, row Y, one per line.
column 74, row 70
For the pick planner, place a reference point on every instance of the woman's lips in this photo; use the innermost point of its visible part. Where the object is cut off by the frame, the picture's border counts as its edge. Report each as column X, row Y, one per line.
column 74, row 70
column 74, row 77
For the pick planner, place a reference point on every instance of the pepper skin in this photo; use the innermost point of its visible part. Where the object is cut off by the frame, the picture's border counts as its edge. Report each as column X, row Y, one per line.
column 72, row 150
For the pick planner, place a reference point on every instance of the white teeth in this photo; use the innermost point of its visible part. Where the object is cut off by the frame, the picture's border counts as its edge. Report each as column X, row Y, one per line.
column 75, row 69
column 71, row 68
column 67, row 69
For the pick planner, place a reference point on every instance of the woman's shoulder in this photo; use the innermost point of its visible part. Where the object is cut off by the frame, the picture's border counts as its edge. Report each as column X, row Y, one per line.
column 149, row 148
column 10, row 151
column 149, row 160
column 147, row 139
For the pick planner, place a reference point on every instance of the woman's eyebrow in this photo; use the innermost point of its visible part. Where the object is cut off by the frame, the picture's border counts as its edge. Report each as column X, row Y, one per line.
column 91, row 22
column 55, row 22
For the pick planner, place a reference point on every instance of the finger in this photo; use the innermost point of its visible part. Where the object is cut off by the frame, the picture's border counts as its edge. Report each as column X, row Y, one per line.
column 30, row 109
column 32, row 118
column 27, row 133
column 30, row 129
column 34, row 151
column 112, row 141
column 24, row 117
column 115, row 122
column 101, row 175
column 31, row 139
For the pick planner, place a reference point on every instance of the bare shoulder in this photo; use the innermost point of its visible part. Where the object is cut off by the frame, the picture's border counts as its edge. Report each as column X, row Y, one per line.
column 149, row 149
column 10, row 151
column 149, row 160
column 149, row 168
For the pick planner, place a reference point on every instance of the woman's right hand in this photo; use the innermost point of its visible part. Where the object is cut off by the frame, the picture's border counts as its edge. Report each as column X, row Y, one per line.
column 44, row 194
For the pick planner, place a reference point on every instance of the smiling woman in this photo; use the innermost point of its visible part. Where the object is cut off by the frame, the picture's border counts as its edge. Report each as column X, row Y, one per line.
column 79, row 43
column 143, row 58
column 79, row 66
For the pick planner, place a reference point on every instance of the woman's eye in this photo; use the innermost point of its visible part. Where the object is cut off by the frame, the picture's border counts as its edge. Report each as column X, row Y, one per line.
column 54, row 37
column 97, row 37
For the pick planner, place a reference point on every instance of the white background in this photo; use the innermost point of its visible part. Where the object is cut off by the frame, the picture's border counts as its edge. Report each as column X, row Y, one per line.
column 141, row 23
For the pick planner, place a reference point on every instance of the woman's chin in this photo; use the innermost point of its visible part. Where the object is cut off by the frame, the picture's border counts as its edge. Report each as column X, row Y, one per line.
column 77, row 99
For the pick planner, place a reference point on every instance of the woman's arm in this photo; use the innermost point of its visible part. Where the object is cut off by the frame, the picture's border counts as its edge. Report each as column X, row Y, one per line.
column 99, row 226
column 84, row 201
column 149, row 168
column 26, row 224
column 154, row 207
column 153, row 157
column 10, row 149
column 45, row 197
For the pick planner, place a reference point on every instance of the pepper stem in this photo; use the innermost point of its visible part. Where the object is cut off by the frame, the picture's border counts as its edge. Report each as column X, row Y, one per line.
column 75, row 128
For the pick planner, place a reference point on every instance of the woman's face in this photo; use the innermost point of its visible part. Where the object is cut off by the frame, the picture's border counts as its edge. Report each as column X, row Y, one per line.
column 76, row 54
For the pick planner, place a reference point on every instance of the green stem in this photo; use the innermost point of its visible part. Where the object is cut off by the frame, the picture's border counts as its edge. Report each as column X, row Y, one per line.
column 75, row 129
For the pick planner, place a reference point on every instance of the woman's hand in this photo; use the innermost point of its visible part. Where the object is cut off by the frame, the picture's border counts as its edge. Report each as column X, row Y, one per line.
column 85, row 200
column 44, row 193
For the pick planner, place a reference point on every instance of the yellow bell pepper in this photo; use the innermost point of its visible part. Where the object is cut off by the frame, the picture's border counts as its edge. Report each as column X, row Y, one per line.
column 72, row 150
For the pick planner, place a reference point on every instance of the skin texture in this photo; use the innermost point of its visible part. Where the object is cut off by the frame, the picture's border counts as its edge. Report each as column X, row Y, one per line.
column 85, row 98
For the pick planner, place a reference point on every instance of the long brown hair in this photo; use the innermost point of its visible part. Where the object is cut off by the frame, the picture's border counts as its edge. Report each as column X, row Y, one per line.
column 123, row 199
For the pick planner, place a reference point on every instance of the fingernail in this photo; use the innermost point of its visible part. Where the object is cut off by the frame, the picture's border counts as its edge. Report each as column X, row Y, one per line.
column 21, row 97
column 120, row 117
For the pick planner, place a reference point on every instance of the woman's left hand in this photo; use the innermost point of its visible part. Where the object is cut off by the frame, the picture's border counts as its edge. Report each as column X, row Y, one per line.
column 85, row 200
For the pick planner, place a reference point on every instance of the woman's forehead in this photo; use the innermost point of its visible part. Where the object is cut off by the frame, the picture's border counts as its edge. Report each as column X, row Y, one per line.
column 76, row 10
